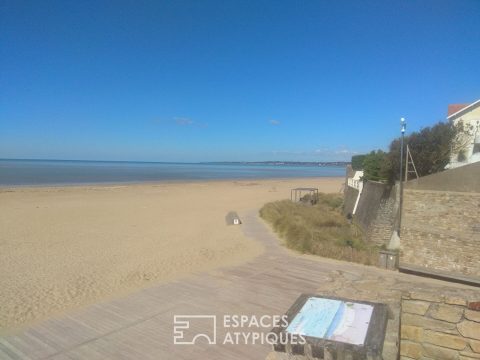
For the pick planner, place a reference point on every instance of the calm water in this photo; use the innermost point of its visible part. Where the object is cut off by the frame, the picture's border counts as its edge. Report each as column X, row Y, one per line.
column 46, row 172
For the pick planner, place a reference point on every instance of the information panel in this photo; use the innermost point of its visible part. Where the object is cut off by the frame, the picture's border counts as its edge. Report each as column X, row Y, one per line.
column 332, row 320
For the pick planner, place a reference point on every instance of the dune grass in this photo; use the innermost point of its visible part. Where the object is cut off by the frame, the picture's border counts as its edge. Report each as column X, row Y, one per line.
column 319, row 229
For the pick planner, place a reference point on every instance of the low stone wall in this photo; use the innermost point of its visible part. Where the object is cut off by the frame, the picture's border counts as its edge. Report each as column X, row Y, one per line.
column 462, row 179
column 440, row 326
column 421, row 301
column 441, row 232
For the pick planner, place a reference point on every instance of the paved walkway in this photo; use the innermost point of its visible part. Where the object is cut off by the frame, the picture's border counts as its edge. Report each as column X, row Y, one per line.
column 140, row 325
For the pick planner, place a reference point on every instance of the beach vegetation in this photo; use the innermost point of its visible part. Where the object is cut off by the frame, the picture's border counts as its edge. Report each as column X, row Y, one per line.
column 319, row 229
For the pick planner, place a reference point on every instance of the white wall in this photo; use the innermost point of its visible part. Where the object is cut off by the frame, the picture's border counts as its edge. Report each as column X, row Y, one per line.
column 471, row 118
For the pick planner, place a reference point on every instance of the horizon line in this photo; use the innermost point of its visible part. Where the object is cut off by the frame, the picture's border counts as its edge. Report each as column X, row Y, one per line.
column 181, row 162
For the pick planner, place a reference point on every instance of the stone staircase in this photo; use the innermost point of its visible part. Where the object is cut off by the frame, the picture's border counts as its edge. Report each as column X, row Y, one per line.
column 381, row 229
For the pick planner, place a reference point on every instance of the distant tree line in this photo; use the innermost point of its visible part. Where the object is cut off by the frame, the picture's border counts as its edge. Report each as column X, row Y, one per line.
column 430, row 147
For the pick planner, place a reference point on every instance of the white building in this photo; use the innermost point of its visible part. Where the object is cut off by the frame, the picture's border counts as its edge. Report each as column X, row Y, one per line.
column 466, row 148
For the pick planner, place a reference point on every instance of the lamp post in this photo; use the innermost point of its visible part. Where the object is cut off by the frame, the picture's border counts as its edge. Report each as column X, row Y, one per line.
column 403, row 127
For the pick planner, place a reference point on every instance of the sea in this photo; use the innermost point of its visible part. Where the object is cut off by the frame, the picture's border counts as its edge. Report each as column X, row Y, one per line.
column 74, row 172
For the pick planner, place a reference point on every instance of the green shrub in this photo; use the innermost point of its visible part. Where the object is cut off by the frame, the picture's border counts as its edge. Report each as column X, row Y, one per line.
column 320, row 229
column 357, row 162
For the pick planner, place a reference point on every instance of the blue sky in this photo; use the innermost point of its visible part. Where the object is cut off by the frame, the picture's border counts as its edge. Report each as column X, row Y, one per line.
column 228, row 80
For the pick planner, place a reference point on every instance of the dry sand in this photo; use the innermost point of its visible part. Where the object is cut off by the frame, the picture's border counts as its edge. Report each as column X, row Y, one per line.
column 61, row 247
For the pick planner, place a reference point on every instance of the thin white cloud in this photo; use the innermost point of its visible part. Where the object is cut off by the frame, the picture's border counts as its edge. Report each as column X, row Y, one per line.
column 322, row 150
column 341, row 153
column 345, row 152
column 289, row 152
column 182, row 121
column 342, row 150
column 274, row 122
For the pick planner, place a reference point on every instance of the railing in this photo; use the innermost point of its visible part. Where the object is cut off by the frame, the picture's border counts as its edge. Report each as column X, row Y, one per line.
column 354, row 183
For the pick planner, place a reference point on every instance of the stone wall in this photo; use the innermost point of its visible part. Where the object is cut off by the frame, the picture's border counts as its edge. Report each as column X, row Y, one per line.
column 435, row 326
column 350, row 197
column 376, row 212
column 382, row 226
column 462, row 179
column 441, row 232
column 369, row 203
column 425, row 305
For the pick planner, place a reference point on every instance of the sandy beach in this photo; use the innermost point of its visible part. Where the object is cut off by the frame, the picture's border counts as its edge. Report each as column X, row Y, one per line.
column 62, row 247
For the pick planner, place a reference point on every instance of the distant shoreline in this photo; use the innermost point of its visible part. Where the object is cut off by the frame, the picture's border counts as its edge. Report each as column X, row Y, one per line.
column 4, row 188
column 268, row 162
column 280, row 163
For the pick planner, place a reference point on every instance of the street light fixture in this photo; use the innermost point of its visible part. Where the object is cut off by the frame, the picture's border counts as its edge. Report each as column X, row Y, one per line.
column 403, row 128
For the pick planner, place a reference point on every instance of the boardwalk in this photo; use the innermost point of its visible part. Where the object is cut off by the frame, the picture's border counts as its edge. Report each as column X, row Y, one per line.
column 140, row 325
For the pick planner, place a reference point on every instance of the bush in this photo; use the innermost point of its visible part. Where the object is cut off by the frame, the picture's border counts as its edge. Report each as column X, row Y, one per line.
column 357, row 162
column 430, row 147
column 374, row 166
column 320, row 229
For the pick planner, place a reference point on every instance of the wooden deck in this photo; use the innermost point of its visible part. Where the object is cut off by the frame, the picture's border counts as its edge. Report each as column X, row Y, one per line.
column 140, row 325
